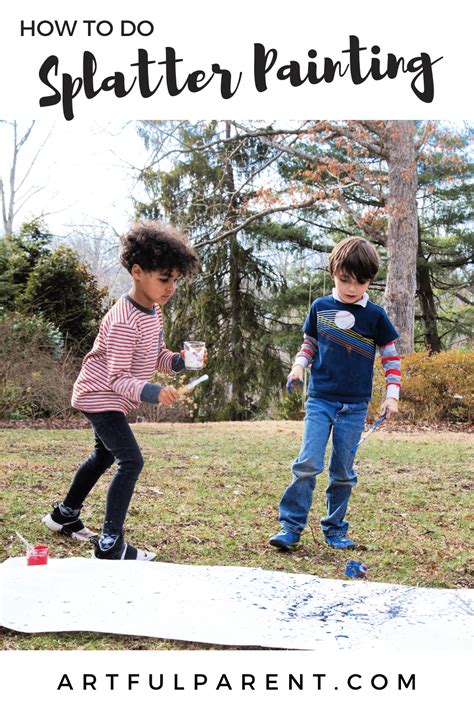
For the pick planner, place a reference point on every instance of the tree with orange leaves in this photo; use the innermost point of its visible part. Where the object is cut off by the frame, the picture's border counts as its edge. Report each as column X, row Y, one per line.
column 370, row 177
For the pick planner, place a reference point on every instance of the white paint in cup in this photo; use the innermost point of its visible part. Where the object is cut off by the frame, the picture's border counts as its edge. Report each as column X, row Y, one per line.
column 194, row 354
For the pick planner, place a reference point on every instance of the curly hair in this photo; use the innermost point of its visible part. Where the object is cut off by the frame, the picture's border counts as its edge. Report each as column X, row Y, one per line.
column 156, row 246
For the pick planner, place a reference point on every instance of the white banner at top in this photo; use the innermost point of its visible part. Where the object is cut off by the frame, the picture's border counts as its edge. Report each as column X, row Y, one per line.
column 257, row 59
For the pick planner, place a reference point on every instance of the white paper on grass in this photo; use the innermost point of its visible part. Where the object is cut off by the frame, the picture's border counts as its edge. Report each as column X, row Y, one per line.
column 231, row 606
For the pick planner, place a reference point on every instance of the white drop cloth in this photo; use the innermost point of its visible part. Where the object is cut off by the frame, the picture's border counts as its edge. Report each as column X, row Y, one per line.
column 231, row 606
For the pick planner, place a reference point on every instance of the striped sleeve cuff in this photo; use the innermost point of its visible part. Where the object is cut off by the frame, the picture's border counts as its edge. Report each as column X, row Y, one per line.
column 301, row 360
column 307, row 352
column 393, row 391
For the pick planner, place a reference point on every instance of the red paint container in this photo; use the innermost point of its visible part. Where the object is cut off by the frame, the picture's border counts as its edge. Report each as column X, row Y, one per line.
column 38, row 555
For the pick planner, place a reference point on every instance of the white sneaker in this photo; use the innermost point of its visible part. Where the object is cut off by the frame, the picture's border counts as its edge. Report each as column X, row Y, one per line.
column 71, row 526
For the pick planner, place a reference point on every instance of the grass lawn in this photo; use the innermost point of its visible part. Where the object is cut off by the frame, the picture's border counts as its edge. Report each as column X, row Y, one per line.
column 208, row 496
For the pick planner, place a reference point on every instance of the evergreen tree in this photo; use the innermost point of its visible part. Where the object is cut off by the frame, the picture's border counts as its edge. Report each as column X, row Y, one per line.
column 445, row 239
column 207, row 191
column 350, row 166
column 18, row 257
column 65, row 293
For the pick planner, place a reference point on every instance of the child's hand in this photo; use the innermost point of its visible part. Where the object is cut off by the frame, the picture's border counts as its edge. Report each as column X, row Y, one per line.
column 295, row 378
column 390, row 407
column 168, row 395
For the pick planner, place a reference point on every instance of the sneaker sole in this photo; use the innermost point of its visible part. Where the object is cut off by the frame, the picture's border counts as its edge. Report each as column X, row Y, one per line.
column 342, row 548
column 85, row 535
column 144, row 556
column 282, row 546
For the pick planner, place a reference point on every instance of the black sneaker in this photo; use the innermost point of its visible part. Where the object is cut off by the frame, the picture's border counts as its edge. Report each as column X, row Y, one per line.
column 121, row 551
column 71, row 526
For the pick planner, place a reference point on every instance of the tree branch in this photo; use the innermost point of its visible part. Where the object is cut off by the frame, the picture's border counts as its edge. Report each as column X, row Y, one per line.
column 252, row 218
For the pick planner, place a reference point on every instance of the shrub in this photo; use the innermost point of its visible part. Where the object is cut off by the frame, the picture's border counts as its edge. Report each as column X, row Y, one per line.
column 63, row 291
column 289, row 407
column 19, row 332
column 435, row 388
column 36, row 374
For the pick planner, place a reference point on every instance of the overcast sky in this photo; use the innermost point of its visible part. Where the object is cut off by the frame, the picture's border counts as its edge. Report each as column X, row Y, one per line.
column 84, row 172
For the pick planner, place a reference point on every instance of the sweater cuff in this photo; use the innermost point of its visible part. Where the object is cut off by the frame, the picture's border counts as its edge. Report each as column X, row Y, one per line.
column 393, row 391
column 301, row 360
column 150, row 392
column 177, row 363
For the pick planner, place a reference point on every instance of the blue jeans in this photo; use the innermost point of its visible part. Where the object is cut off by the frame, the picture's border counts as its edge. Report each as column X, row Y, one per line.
column 347, row 423
column 114, row 441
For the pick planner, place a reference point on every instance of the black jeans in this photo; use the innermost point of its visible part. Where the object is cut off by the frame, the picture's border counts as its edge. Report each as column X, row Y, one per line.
column 113, row 441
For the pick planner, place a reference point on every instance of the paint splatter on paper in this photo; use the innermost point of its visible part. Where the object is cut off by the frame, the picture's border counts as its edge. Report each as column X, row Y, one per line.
column 231, row 606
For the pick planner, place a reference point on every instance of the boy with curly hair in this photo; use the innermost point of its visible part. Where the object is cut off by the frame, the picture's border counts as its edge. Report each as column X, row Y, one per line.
column 115, row 377
column 341, row 334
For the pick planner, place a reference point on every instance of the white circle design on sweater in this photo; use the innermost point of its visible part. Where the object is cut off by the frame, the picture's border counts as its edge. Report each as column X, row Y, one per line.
column 344, row 319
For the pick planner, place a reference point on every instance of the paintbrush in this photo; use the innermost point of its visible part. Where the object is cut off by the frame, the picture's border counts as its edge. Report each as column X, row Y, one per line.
column 192, row 384
column 28, row 545
column 372, row 429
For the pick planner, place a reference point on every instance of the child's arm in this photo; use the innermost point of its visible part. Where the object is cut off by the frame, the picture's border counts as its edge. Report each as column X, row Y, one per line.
column 167, row 359
column 169, row 362
column 391, row 366
column 121, row 344
column 304, row 358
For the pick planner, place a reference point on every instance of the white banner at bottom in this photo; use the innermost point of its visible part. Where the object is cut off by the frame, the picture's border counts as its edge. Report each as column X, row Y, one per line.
column 233, row 680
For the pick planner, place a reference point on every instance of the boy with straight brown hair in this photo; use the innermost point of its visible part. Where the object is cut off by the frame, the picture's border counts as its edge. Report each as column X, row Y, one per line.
column 341, row 334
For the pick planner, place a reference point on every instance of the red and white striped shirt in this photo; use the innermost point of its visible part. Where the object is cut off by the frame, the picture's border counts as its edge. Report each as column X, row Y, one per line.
column 127, row 351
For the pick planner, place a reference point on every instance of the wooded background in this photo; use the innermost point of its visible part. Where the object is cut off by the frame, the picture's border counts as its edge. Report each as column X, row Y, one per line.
column 264, row 204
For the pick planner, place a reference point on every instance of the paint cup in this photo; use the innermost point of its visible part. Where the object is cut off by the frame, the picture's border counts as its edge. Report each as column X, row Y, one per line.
column 354, row 569
column 194, row 354
column 37, row 555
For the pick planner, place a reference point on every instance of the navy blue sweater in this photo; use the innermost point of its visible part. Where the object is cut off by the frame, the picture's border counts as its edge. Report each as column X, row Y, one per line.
column 347, row 336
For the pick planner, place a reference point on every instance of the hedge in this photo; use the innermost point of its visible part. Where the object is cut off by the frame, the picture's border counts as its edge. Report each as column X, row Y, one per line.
column 435, row 388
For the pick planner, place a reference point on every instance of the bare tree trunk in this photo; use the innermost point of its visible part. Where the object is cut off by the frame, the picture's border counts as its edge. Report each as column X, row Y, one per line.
column 427, row 301
column 236, row 346
column 402, row 235
column 11, row 203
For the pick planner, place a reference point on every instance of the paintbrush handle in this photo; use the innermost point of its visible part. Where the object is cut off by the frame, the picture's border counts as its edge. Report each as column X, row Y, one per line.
column 372, row 429
column 24, row 541
column 192, row 384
